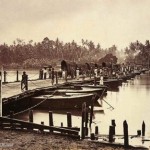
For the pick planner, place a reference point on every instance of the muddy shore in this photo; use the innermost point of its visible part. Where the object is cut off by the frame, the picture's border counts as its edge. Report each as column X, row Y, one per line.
column 21, row 140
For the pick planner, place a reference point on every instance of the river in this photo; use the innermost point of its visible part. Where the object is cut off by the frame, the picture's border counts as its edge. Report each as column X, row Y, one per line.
column 130, row 103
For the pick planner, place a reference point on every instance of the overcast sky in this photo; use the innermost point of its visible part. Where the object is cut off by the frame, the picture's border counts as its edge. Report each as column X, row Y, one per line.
column 106, row 22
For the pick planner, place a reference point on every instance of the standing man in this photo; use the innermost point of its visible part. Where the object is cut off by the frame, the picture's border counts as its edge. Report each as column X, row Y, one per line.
column 95, row 71
column 45, row 72
column 24, row 81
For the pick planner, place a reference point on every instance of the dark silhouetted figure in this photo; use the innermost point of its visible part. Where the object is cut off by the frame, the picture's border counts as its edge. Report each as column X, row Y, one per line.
column 24, row 81
column 41, row 74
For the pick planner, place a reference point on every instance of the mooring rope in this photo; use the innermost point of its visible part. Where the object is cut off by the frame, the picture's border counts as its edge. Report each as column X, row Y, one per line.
column 36, row 84
column 11, row 86
column 100, row 96
column 33, row 75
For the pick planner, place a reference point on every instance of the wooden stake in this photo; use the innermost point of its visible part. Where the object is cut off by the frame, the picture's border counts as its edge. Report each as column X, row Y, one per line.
column 83, row 121
column 42, row 123
column 126, row 138
column 91, row 113
column 110, row 133
column 86, row 121
column 143, row 128
column 69, row 120
column 51, row 119
column 138, row 132
column 96, row 130
column 114, row 125
column 92, row 136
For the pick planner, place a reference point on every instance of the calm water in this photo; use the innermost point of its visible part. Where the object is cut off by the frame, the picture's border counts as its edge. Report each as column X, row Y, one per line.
column 131, row 103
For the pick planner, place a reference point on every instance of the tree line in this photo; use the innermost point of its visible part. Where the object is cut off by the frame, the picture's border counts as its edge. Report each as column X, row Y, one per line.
column 138, row 53
column 49, row 52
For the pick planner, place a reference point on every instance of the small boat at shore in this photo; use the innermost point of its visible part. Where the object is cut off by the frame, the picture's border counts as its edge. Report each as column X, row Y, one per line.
column 63, row 101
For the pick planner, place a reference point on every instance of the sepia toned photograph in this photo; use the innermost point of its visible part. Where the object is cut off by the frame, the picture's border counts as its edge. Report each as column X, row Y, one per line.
column 74, row 74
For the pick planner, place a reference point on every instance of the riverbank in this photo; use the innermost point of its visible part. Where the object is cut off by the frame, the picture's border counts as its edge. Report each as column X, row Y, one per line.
column 19, row 140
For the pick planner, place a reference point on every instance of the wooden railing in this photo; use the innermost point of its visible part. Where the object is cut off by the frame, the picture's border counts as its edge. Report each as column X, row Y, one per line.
column 15, row 124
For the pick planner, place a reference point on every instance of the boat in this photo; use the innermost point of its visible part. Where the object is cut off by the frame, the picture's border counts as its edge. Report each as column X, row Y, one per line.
column 111, row 83
column 98, row 92
column 63, row 101
column 103, row 88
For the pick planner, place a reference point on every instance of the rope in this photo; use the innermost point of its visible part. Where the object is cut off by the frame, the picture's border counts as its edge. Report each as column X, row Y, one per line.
column 7, row 75
column 33, row 76
column 35, row 84
column 34, row 105
column 11, row 86
column 100, row 96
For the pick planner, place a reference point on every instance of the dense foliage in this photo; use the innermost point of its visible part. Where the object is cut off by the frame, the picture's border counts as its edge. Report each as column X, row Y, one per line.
column 35, row 55
column 138, row 53
column 50, row 52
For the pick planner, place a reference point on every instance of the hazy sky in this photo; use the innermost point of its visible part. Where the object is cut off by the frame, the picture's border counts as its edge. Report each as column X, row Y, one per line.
column 105, row 21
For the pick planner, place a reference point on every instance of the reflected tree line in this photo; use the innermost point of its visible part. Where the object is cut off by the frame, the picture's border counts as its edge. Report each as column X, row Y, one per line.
column 47, row 52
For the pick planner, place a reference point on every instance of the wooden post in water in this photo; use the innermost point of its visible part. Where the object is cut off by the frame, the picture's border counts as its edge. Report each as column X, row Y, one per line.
column 92, row 136
column 17, row 77
column 83, row 121
column 138, row 132
column 0, row 93
column 31, row 118
column 96, row 130
column 30, row 115
column 69, row 119
column 91, row 112
column 86, row 121
column 143, row 128
column 113, row 125
column 42, row 123
column 69, row 124
column 62, row 125
column 5, row 73
column 51, row 119
column 126, row 138
column 111, row 134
